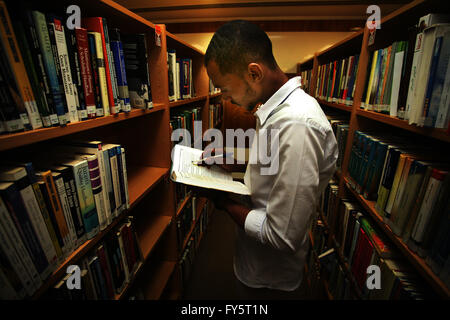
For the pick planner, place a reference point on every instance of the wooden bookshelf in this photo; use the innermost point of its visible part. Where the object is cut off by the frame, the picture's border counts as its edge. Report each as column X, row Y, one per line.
column 145, row 135
column 200, row 205
column 419, row 264
column 215, row 95
column 394, row 27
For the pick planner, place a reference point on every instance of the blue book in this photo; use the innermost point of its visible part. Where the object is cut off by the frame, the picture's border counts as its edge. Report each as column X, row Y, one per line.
column 119, row 64
column 50, row 68
column 100, row 278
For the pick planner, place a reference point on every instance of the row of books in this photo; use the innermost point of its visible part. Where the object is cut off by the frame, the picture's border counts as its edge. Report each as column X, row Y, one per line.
column 215, row 114
column 336, row 80
column 305, row 78
column 410, row 80
column 181, row 85
column 75, row 192
column 411, row 186
column 361, row 244
column 51, row 75
column 188, row 255
column 106, row 269
column 340, row 126
column 185, row 119
column 185, row 219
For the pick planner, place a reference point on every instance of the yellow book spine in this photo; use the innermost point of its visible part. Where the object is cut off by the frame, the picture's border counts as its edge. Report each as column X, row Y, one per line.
column 372, row 71
column 101, row 72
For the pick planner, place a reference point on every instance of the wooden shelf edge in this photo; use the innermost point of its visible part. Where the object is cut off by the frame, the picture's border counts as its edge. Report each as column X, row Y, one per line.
column 418, row 263
column 160, row 276
column 181, row 102
column 183, row 204
column 19, row 139
column 215, row 95
column 436, row 133
column 339, row 106
column 157, row 228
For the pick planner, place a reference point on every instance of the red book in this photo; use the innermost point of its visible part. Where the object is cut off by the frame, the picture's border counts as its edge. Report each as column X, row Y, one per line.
column 130, row 243
column 86, row 72
column 106, row 272
column 95, row 24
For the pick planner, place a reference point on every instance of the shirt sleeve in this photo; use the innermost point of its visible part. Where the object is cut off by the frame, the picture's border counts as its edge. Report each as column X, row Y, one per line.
column 307, row 154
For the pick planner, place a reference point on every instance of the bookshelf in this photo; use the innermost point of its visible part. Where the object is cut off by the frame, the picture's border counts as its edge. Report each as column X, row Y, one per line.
column 145, row 135
column 394, row 27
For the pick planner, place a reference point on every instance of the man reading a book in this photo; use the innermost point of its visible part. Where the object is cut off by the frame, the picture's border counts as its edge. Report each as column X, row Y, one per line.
column 272, row 239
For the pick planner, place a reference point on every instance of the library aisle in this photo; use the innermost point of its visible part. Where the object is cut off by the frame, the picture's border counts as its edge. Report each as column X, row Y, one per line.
column 212, row 275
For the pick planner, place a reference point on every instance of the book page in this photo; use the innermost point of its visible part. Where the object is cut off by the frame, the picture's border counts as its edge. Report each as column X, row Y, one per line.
column 184, row 171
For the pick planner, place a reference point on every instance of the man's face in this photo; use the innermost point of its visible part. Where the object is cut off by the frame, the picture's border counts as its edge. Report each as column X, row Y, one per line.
column 237, row 88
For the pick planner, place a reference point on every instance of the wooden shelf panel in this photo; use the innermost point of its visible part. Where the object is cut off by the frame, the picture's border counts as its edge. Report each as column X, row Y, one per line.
column 58, row 274
column 150, row 233
column 14, row 140
column 439, row 134
column 339, row 106
column 419, row 264
column 183, row 204
column 142, row 179
column 178, row 103
column 171, row 36
column 159, row 275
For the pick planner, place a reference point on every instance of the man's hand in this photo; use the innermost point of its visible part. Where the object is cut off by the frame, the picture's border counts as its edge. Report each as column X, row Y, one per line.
column 221, row 159
column 216, row 196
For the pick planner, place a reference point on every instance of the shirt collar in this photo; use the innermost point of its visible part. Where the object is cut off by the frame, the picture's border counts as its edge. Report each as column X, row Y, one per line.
column 277, row 98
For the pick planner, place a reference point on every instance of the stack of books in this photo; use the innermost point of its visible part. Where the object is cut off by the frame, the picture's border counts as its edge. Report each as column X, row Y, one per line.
column 49, row 207
column 51, row 75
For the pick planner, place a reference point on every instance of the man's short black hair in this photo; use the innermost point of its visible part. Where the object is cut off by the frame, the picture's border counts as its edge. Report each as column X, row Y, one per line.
column 238, row 43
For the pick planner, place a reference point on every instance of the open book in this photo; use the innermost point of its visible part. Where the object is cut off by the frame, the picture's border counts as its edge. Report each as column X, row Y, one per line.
column 184, row 171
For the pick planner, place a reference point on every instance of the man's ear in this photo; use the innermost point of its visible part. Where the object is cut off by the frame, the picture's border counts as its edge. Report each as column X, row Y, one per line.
column 255, row 72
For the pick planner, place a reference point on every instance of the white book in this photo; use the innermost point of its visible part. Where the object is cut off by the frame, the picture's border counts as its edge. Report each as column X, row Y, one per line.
column 13, row 247
column 348, row 208
column 61, row 189
column 396, row 78
column 429, row 38
column 426, row 209
column 66, row 73
column 184, row 170
column 355, row 238
column 177, row 81
column 172, row 64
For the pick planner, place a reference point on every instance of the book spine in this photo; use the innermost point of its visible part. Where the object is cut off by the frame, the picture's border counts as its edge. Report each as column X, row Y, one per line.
column 123, row 256
column 101, row 253
column 46, row 217
column 74, row 61
column 101, row 283
column 9, row 111
column 442, row 119
column 14, row 249
column 109, row 184
column 101, row 71
column 76, row 213
column 115, row 260
column 112, row 69
column 95, row 78
column 86, row 199
column 115, row 179
column 418, row 48
column 119, row 63
column 123, row 199
column 61, row 190
column 39, row 95
column 96, row 183
column 95, row 24
column 50, row 68
column 66, row 73
column 31, row 116
column 38, row 59
column 39, row 226
column 86, row 72
column 125, row 178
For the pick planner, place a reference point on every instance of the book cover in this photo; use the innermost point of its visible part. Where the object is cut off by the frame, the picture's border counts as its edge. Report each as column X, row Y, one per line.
column 98, row 97
column 115, row 180
column 171, row 64
column 112, row 69
column 106, row 271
